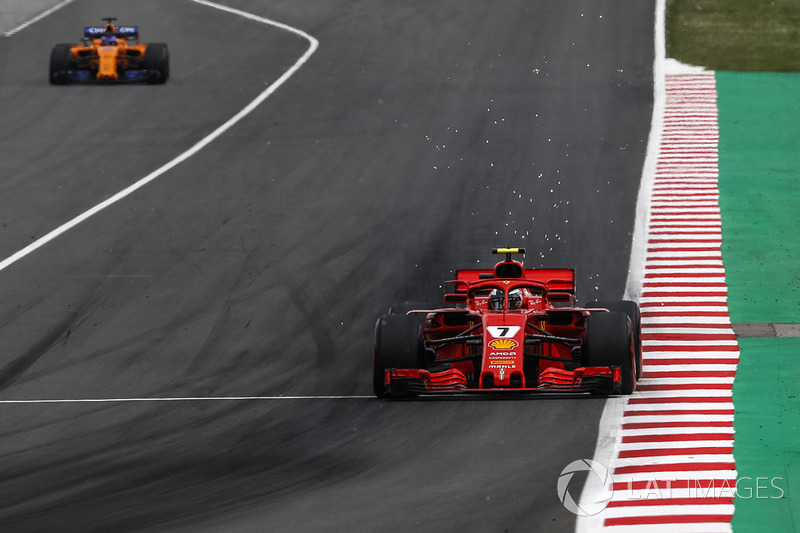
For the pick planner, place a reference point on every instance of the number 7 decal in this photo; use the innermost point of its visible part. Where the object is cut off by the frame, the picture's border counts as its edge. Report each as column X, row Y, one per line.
column 502, row 332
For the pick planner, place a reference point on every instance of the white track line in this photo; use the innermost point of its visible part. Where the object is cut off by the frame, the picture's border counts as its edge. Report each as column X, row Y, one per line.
column 37, row 18
column 185, row 399
column 313, row 44
column 633, row 286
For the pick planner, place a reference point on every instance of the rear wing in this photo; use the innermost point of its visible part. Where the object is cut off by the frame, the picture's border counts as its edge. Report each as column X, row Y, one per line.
column 122, row 32
column 559, row 283
column 554, row 279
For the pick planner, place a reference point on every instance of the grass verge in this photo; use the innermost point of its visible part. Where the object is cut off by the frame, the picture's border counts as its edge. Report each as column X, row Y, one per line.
column 735, row 35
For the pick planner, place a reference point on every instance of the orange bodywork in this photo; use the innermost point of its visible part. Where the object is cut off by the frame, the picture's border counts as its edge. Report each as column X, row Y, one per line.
column 108, row 61
column 109, row 54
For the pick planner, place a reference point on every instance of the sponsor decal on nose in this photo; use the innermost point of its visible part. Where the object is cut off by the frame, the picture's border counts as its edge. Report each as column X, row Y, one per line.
column 503, row 344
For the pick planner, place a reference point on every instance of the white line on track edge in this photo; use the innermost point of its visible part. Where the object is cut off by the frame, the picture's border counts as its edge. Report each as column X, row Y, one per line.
column 633, row 286
column 610, row 424
column 313, row 44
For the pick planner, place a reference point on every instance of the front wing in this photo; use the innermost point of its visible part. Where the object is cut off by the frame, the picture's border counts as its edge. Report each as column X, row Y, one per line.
column 86, row 76
column 594, row 379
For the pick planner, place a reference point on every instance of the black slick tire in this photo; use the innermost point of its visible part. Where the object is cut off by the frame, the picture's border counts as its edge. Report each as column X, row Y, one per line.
column 398, row 344
column 156, row 62
column 60, row 63
column 634, row 314
column 608, row 343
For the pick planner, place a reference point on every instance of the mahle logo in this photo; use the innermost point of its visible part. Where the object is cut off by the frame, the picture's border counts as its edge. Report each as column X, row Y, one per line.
column 599, row 483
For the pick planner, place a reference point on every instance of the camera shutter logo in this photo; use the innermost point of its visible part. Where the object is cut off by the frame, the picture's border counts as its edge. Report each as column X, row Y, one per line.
column 597, row 474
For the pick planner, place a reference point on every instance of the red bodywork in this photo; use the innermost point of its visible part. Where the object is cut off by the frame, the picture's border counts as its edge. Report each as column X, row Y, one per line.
column 534, row 346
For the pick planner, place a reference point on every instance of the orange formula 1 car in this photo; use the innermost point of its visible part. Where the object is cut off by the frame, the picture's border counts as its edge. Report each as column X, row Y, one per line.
column 509, row 329
column 109, row 54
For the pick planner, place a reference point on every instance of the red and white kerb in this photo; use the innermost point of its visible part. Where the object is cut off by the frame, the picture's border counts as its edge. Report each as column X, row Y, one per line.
column 674, row 469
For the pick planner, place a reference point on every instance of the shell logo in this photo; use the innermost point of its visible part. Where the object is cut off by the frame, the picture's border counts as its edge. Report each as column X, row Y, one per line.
column 503, row 344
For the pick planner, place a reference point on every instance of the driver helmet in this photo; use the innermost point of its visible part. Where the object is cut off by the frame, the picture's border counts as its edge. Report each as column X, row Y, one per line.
column 109, row 40
column 515, row 299
column 496, row 300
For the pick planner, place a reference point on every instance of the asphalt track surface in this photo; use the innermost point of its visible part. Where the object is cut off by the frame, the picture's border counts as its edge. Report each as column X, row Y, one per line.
column 418, row 136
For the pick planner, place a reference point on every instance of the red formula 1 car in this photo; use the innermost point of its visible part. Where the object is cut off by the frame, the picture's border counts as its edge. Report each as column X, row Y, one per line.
column 110, row 54
column 509, row 329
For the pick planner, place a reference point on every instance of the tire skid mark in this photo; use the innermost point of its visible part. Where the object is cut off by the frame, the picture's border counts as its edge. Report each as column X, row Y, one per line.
column 19, row 365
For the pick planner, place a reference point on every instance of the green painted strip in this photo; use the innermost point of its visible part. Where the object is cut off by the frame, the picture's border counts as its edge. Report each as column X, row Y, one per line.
column 766, row 399
column 759, row 165
column 759, row 162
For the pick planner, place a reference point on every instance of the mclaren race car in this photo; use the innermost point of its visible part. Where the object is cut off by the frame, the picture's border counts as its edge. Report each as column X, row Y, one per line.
column 110, row 54
column 508, row 329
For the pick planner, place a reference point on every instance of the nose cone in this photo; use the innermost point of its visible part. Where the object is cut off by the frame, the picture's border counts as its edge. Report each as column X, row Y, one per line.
column 503, row 351
column 107, row 64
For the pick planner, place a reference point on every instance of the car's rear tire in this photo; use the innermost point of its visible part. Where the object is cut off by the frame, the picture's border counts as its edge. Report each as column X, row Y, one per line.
column 60, row 63
column 398, row 344
column 634, row 314
column 608, row 343
column 156, row 62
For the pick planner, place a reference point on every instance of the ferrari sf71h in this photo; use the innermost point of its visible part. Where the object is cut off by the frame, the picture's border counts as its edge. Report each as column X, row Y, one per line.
column 110, row 54
column 508, row 329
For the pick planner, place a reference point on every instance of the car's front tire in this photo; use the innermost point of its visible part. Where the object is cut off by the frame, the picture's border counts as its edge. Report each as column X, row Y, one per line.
column 156, row 62
column 631, row 309
column 398, row 344
column 60, row 63
column 608, row 342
